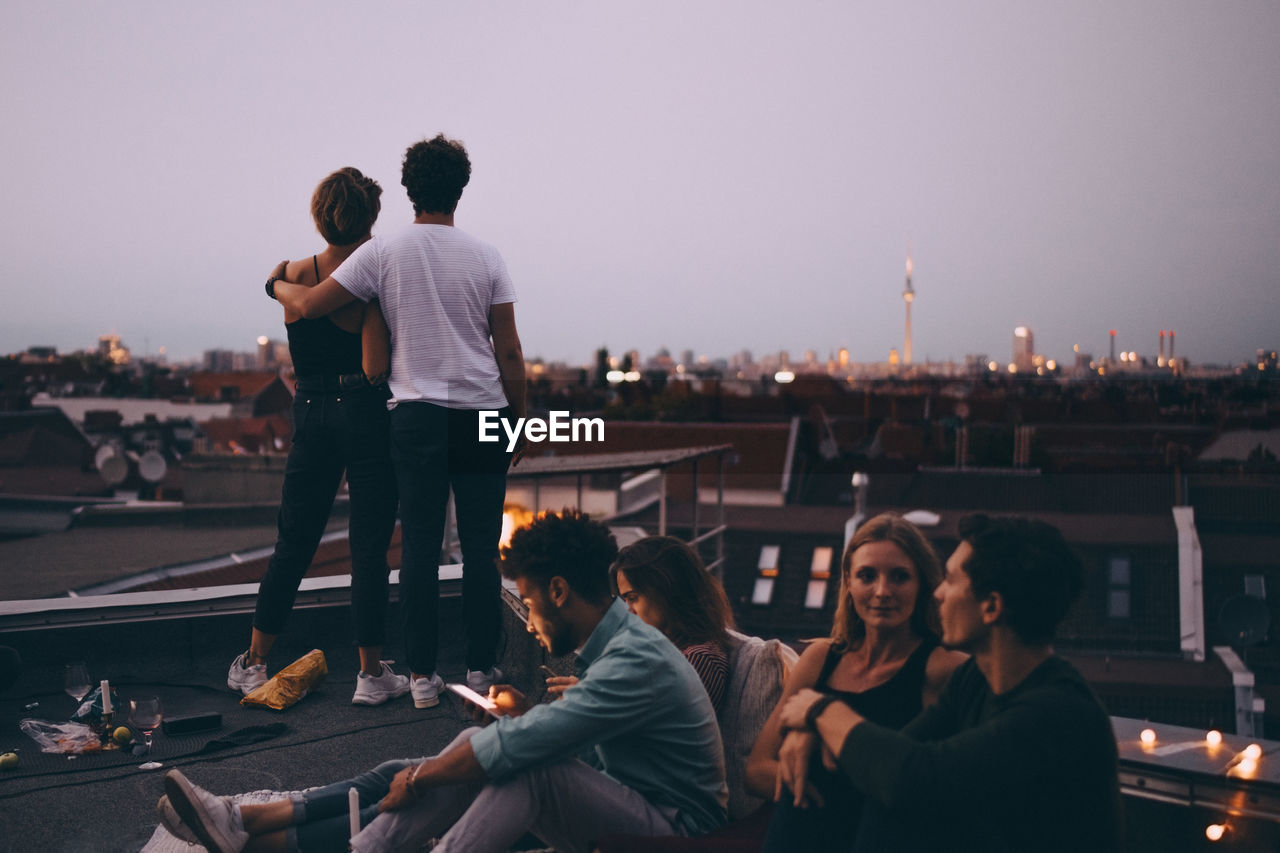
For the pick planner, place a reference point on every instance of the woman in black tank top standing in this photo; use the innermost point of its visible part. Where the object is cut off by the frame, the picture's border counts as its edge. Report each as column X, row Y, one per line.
column 340, row 425
column 882, row 659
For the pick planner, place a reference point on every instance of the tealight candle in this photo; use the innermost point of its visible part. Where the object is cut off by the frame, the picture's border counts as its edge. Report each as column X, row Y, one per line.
column 1214, row 738
column 1147, row 737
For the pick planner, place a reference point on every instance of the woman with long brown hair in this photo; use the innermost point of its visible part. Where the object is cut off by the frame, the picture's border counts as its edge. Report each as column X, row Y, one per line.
column 664, row 582
column 882, row 658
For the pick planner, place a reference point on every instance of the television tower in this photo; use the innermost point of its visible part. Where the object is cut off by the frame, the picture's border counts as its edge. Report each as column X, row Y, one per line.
column 908, row 296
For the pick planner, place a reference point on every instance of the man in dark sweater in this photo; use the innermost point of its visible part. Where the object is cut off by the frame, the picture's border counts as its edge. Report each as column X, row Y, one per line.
column 1017, row 754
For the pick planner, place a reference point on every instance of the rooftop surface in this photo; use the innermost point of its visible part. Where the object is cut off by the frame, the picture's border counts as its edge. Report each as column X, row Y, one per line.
column 104, row 802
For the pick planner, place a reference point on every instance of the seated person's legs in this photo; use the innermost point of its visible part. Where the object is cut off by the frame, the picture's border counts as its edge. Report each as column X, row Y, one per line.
column 567, row 804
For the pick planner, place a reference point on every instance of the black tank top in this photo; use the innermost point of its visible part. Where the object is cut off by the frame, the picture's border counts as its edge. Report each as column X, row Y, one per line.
column 320, row 348
column 892, row 704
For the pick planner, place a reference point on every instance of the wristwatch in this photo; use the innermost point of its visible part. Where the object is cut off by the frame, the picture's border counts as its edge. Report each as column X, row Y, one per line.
column 271, row 282
column 815, row 711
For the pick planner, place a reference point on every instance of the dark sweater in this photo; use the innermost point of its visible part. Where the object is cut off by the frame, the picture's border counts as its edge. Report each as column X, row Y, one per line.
column 1031, row 769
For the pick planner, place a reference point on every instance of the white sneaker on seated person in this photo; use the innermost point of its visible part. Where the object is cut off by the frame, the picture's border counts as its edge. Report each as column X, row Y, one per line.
column 214, row 820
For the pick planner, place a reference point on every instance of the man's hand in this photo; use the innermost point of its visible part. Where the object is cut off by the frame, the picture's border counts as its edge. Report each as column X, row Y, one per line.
column 401, row 793
column 522, row 445
column 797, row 750
column 558, row 684
column 510, row 702
column 797, row 707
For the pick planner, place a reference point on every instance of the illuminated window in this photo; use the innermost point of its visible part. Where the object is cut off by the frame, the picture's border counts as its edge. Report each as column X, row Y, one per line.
column 766, row 574
column 1119, row 598
column 819, row 573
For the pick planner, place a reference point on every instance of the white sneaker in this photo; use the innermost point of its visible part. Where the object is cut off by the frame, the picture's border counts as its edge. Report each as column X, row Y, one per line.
column 426, row 691
column 214, row 820
column 169, row 818
column 480, row 682
column 376, row 689
column 246, row 678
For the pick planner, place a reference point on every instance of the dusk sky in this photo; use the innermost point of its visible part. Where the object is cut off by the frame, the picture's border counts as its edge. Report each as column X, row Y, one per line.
column 705, row 176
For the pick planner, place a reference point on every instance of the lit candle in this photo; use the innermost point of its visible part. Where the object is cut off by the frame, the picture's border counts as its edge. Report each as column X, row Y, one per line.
column 1214, row 738
column 1214, row 831
column 1253, row 752
column 353, row 810
column 106, row 696
column 1147, row 737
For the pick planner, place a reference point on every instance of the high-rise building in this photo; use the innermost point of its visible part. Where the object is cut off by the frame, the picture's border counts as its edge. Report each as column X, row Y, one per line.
column 1024, row 350
column 908, row 296
column 110, row 348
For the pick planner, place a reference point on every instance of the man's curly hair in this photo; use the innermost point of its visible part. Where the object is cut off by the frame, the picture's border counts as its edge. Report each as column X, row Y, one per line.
column 345, row 205
column 569, row 545
column 434, row 174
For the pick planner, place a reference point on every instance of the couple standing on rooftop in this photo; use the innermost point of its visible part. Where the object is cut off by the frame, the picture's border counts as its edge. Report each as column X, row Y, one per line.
column 430, row 311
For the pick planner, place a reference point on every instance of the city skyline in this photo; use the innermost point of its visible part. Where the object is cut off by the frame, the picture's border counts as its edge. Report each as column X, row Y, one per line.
column 666, row 175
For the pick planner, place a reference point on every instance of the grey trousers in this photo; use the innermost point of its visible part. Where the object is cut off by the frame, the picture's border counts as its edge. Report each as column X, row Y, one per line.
column 567, row 804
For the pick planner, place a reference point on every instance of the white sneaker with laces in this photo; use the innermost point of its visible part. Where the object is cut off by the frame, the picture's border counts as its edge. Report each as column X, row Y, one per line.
column 376, row 689
column 172, row 822
column 214, row 820
column 426, row 691
column 480, row 681
column 246, row 678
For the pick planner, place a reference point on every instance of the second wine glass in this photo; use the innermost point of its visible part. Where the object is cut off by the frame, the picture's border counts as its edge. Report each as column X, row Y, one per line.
column 145, row 714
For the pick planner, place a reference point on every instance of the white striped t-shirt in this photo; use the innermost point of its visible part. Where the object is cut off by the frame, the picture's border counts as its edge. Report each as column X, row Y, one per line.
column 436, row 285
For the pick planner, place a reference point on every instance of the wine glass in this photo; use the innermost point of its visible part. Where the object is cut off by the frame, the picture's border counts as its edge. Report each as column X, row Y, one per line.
column 77, row 683
column 145, row 714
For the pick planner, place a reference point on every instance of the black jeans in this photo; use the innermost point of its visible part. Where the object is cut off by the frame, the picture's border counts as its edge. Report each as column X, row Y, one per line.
column 435, row 448
column 335, row 431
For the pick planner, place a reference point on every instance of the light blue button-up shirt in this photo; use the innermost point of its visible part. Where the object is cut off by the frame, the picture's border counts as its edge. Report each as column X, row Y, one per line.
column 644, row 710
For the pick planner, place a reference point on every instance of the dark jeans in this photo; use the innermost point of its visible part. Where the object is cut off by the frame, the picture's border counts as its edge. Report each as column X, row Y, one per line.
column 322, row 823
column 830, row 828
column 335, row 431
column 435, row 448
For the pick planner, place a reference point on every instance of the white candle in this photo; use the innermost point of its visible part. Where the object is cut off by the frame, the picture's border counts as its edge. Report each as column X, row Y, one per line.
column 106, row 696
column 353, row 808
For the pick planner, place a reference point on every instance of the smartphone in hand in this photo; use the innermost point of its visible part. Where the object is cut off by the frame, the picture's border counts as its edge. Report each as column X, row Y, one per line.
column 475, row 698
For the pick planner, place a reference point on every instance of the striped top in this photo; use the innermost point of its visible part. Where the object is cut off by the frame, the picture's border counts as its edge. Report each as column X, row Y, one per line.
column 712, row 665
column 435, row 284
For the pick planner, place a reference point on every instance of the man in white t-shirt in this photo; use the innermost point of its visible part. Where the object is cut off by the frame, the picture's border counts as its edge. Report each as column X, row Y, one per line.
column 455, row 352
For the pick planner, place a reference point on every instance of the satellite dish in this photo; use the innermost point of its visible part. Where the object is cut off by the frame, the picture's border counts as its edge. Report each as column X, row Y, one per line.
column 1244, row 620
column 152, row 467
column 111, row 464
column 103, row 453
column 114, row 469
